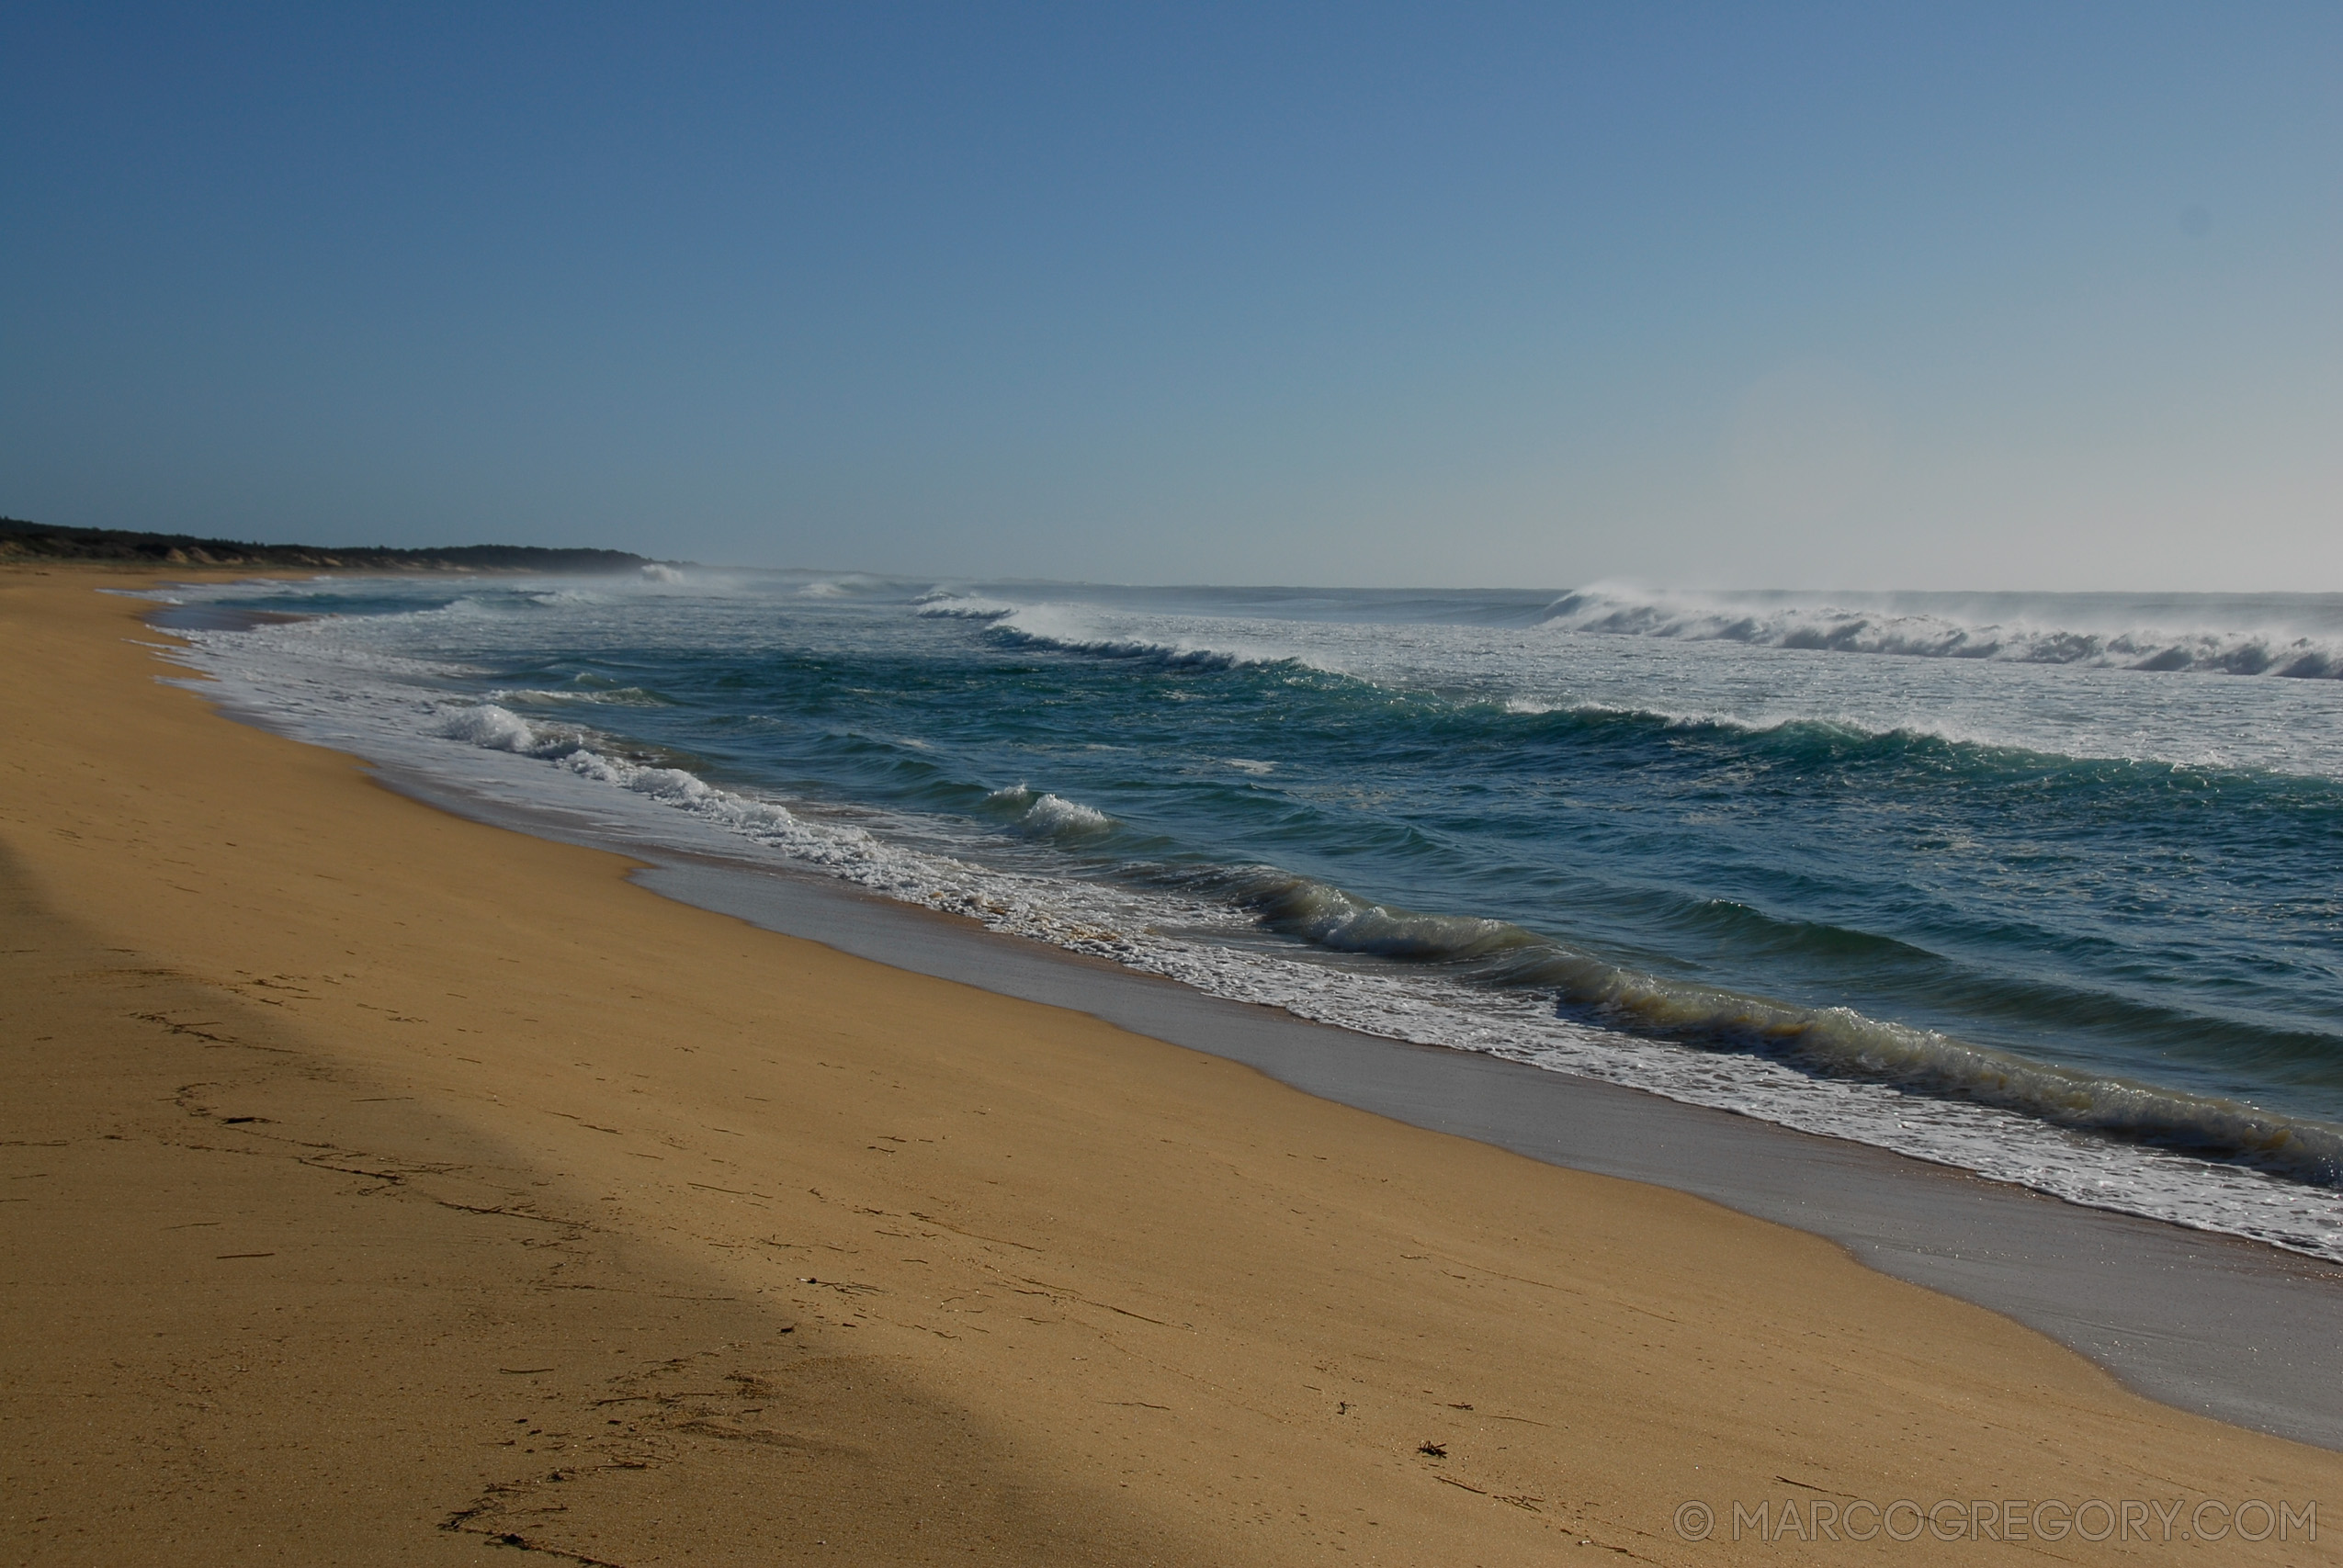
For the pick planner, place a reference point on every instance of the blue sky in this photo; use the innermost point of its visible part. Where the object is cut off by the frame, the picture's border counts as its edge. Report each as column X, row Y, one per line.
column 1980, row 297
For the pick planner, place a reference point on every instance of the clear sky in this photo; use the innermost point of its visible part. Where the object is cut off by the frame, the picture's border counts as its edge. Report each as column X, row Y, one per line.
column 1977, row 296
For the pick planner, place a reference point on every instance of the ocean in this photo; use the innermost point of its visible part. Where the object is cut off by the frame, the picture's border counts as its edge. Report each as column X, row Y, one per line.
column 2045, row 887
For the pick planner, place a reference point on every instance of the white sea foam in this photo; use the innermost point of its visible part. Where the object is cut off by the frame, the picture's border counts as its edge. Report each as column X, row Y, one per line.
column 1195, row 641
column 600, row 697
column 851, row 585
column 1056, row 814
column 2093, row 711
column 959, row 607
column 1050, row 815
column 1897, row 626
column 488, row 725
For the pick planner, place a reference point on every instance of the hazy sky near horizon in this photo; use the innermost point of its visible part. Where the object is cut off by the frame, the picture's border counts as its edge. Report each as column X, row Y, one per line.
column 1992, row 296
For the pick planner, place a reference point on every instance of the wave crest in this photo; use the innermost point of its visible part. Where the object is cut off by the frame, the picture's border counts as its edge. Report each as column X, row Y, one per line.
column 954, row 607
column 1931, row 633
column 1831, row 1042
column 494, row 727
column 1050, row 815
column 1073, row 630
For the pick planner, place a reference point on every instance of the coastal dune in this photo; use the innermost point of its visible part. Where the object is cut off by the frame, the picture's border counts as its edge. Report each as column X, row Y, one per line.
column 381, row 1186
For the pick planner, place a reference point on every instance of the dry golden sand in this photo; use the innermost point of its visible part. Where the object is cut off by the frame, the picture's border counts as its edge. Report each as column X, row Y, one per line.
column 380, row 1187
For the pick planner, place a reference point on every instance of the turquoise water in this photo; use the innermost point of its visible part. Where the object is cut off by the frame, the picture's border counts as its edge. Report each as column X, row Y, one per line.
column 2071, row 861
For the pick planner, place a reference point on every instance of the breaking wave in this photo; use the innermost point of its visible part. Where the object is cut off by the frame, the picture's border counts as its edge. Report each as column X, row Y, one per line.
column 1907, row 627
column 954, row 607
column 1169, row 641
column 1050, row 815
column 1833, row 1042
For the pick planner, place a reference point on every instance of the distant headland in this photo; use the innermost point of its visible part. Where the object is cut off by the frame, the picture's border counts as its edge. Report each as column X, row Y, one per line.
column 23, row 541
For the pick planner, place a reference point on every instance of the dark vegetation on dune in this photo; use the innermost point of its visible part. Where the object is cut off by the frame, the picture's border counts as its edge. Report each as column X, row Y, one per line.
column 23, row 541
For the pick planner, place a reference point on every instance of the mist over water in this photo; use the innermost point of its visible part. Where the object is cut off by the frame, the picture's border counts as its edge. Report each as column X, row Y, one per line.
column 2040, row 885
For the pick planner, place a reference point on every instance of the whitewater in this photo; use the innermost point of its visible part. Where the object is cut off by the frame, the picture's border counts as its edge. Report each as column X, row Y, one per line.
column 2042, row 887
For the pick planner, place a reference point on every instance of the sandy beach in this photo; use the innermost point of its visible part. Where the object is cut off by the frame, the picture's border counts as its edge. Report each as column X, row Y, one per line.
column 381, row 1186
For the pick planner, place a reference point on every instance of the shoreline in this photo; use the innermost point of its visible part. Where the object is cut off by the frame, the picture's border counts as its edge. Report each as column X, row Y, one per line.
column 2162, row 1159
column 474, row 1117
column 2215, row 1324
